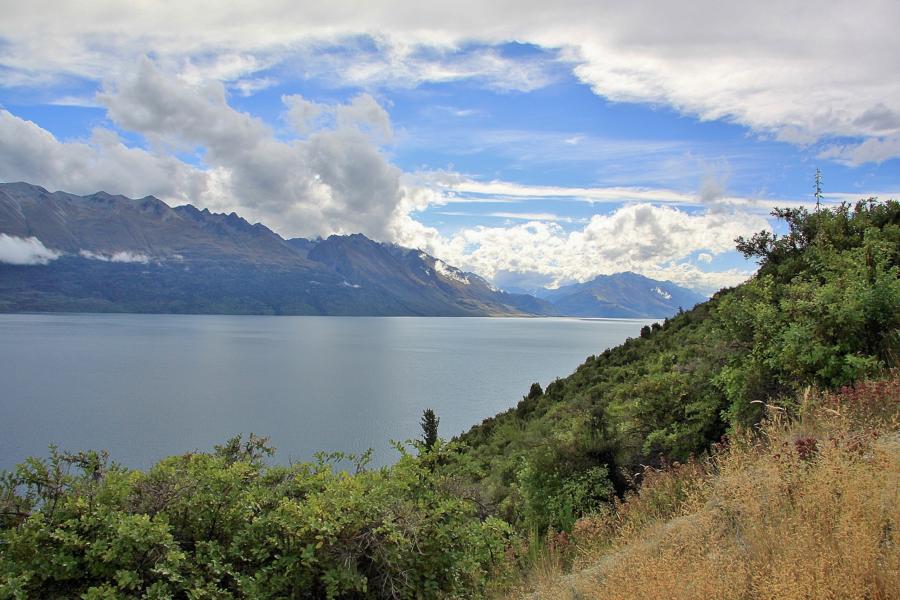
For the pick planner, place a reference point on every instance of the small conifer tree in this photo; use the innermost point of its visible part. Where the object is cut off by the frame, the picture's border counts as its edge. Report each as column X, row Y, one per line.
column 429, row 428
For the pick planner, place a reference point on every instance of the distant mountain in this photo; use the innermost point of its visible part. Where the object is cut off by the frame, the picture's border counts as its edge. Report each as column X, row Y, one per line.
column 119, row 254
column 420, row 281
column 621, row 295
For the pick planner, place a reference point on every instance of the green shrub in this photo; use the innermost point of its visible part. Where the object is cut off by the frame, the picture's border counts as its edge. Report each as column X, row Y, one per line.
column 224, row 525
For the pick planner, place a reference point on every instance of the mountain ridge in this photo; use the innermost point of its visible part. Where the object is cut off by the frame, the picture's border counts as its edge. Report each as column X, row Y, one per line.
column 113, row 253
column 620, row 295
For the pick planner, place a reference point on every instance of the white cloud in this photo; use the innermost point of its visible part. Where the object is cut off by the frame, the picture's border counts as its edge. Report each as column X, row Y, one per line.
column 518, row 216
column 595, row 194
column 129, row 257
column 875, row 149
column 456, row 188
column 123, row 256
column 79, row 101
column 852, row 197
column 25, row 251
column 365, row 113
column 251, row 85
column 656, row 241
column 336, row 180
column 219, row 67
column 405, row 65
column 362, row 113
column 302, row 114
column 781, row 69
column 103, row 162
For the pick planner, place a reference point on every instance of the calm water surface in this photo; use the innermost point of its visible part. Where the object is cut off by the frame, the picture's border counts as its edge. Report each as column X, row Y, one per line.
column 147, row 386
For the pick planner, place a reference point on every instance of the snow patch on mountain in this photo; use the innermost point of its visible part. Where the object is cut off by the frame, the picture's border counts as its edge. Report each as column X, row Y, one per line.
column 448, row 272
column 662, row 293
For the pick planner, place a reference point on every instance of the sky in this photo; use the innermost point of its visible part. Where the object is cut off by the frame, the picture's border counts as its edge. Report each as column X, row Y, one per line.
column 534, row 143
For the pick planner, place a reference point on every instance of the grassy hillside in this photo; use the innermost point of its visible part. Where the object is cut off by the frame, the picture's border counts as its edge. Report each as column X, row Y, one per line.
column 806, row 508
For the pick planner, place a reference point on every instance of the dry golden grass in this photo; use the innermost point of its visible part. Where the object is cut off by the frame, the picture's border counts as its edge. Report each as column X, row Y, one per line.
column 803, row 509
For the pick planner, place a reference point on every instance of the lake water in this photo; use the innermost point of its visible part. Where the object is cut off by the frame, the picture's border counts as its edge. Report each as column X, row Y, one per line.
column 148, row 386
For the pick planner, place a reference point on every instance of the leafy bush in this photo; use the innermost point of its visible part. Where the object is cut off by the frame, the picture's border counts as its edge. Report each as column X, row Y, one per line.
column 224, row 525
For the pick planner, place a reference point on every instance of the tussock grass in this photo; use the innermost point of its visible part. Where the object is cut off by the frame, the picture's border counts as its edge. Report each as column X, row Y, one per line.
column 802, row 508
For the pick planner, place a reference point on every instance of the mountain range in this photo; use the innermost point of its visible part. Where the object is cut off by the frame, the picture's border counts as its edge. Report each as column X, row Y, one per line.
column 621, row 295
column 108, row 253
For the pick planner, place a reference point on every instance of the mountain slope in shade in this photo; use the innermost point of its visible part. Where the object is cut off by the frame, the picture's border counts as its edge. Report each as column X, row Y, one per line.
column 105, row 224
column 194, row 261
column 622, row 295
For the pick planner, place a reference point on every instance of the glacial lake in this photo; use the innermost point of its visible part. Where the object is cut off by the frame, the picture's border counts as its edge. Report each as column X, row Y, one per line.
column 147, row 386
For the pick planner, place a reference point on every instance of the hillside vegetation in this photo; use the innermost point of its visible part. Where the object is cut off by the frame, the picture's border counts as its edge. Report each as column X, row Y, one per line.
column 806, row 508
column 482, row 514
column 823, row 310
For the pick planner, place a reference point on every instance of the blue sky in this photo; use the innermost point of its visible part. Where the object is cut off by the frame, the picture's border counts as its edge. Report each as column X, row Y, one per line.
column 534, row 145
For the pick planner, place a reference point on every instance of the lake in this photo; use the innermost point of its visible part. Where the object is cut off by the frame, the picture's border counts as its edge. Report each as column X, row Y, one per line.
column 148, row 386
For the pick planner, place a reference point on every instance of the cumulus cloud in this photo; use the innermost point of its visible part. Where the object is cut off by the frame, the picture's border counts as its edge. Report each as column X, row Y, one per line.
column 302, row 114
column 656, row 241
column 363, row 112
column 25, row 251
column 336, row 180
column 779, row 68
column 103, row 162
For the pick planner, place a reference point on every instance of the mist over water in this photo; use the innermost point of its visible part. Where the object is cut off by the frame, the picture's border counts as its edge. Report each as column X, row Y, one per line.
column 149, row 386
